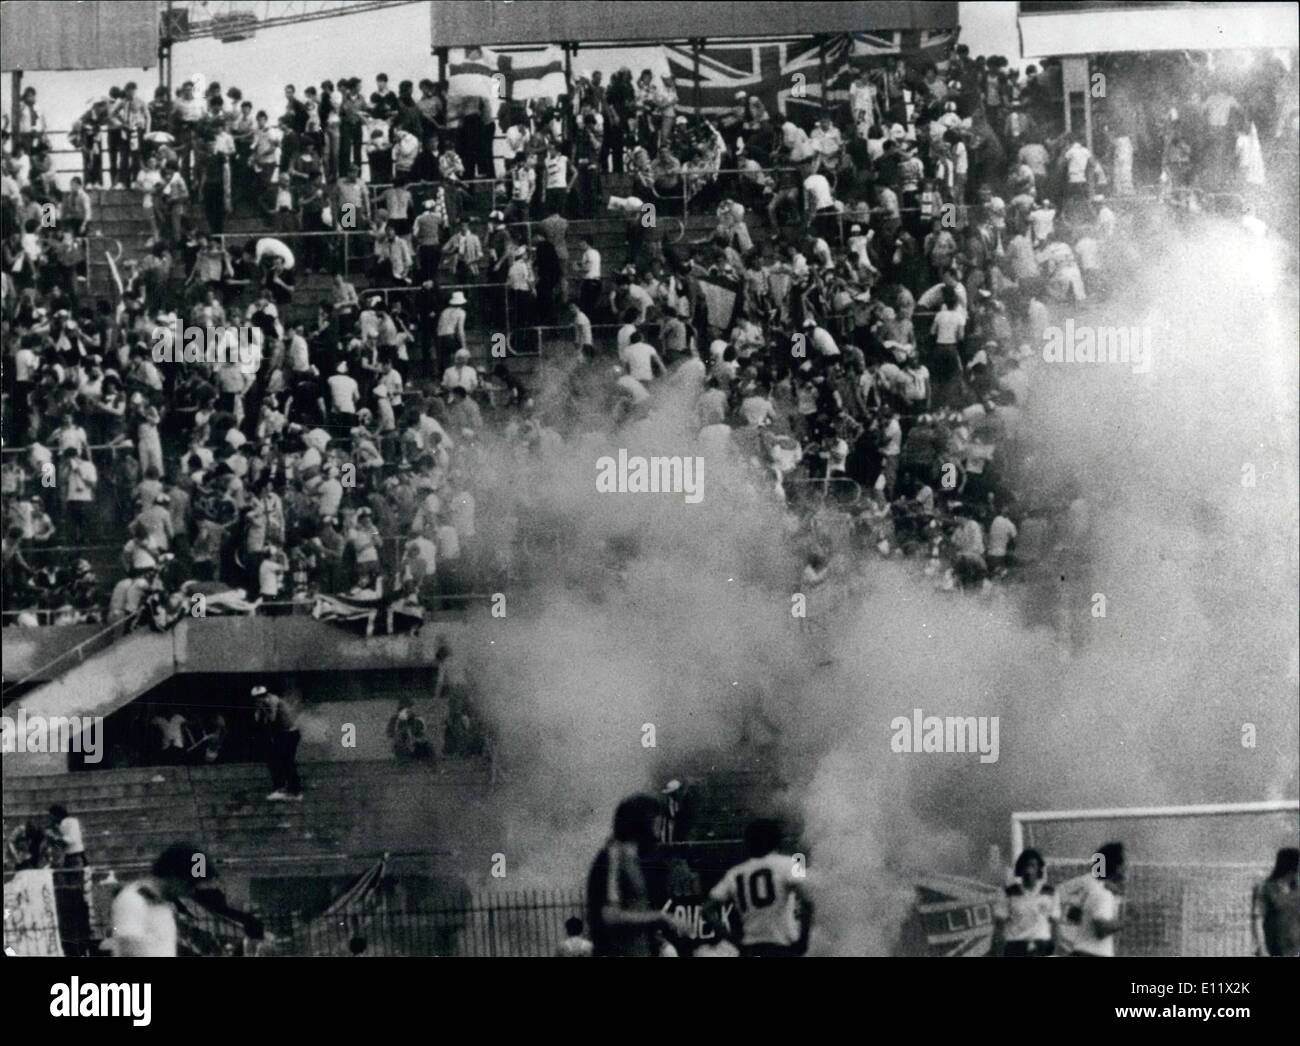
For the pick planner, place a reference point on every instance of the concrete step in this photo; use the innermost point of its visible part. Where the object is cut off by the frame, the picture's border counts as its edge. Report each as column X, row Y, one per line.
column 128, row 817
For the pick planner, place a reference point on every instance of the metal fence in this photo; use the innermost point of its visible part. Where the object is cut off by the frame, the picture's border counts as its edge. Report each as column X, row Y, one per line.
column 489, row 924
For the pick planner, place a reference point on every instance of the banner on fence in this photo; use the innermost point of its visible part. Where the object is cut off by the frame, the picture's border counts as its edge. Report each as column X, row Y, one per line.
column 31, row 914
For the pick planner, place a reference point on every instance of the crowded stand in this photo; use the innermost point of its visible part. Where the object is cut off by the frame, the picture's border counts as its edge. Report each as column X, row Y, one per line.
column 861, row 318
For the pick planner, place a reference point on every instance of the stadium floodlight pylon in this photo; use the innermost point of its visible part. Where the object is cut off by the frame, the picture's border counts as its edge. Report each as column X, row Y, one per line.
column 1182, row 896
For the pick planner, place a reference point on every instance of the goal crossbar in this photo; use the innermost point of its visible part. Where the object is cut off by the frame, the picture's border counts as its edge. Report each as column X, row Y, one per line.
column 1021, row 819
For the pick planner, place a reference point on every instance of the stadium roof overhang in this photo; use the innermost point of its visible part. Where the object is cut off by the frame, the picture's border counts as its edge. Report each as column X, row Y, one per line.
column 491, row 23
column 40, row 36
column 1060, row 29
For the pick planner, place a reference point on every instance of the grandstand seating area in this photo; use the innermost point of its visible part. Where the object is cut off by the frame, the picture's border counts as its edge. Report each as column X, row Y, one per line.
column 129, row 815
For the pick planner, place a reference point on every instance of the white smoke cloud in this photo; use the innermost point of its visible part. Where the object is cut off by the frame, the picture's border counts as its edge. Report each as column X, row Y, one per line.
column 692, row 625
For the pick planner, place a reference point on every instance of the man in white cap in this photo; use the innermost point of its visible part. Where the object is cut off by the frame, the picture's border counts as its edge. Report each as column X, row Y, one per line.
column 278, row 718
column 451, row 329
column 460, row 375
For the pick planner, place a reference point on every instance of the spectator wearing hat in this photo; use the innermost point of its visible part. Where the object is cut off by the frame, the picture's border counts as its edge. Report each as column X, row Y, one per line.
column 273, row 713
column 732, row 123
column 428, row 235
column 674, row 825
column 451, row 330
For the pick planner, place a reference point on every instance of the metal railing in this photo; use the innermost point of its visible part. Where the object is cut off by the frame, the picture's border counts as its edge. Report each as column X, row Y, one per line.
column 487, row 924
column 101, row 640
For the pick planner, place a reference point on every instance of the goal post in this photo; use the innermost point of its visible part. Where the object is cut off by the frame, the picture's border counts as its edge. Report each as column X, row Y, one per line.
column 1190, row 869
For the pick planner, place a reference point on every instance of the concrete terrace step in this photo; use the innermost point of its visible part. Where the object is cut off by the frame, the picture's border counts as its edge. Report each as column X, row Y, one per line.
column 138, row 781
column 127, row 817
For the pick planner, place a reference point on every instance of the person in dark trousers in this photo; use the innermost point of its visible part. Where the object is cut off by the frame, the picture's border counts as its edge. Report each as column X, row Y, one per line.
column 68, row 854
column 282, row 744
column 622, row 918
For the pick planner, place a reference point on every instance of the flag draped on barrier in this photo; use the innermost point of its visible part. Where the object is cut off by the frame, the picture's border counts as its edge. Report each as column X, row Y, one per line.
column 787, row 75
column 479, row 76
column 31, row 914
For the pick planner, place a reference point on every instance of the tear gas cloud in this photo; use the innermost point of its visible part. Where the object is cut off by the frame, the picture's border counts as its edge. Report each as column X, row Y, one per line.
column 689, row 629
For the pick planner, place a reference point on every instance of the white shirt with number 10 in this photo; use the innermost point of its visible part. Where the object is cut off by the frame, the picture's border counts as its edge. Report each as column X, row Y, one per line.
column 762, row 890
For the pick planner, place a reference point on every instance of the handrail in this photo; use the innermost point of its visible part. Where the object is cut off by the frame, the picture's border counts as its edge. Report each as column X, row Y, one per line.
column 123, row 625
column 118, row 445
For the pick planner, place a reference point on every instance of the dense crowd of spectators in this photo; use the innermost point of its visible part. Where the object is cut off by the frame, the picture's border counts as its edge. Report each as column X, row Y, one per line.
column 878, row 278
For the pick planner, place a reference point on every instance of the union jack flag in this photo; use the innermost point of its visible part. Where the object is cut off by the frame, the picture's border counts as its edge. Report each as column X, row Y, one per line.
column 916, row 45
column 788, row 76
column 955, row 914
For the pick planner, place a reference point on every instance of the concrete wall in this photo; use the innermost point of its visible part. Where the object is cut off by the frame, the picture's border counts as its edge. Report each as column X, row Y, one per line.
column 254, row 644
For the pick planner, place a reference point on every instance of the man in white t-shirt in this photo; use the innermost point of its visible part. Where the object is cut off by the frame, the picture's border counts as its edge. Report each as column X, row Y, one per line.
column 589, row 269
column 768, row 893
column 344, row 392
column 460, row 374
column 641, row 359
column 143, row 916
column 1090, row 906
column 1025, row 917
column 817, row 194
column 1077, row 157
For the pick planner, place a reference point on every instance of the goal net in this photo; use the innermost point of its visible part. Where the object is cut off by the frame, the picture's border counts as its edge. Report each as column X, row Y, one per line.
column 1190, row 870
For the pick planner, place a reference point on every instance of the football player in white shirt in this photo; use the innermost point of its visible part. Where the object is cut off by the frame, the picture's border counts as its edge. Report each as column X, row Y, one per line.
column 769, row 892
column 1090, row 907
column 1026, row 916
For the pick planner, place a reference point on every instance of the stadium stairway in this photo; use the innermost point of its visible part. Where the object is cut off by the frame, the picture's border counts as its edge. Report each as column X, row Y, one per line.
column 357, row 808
column 119, row 222
column 98, row 681
column 120, row 227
